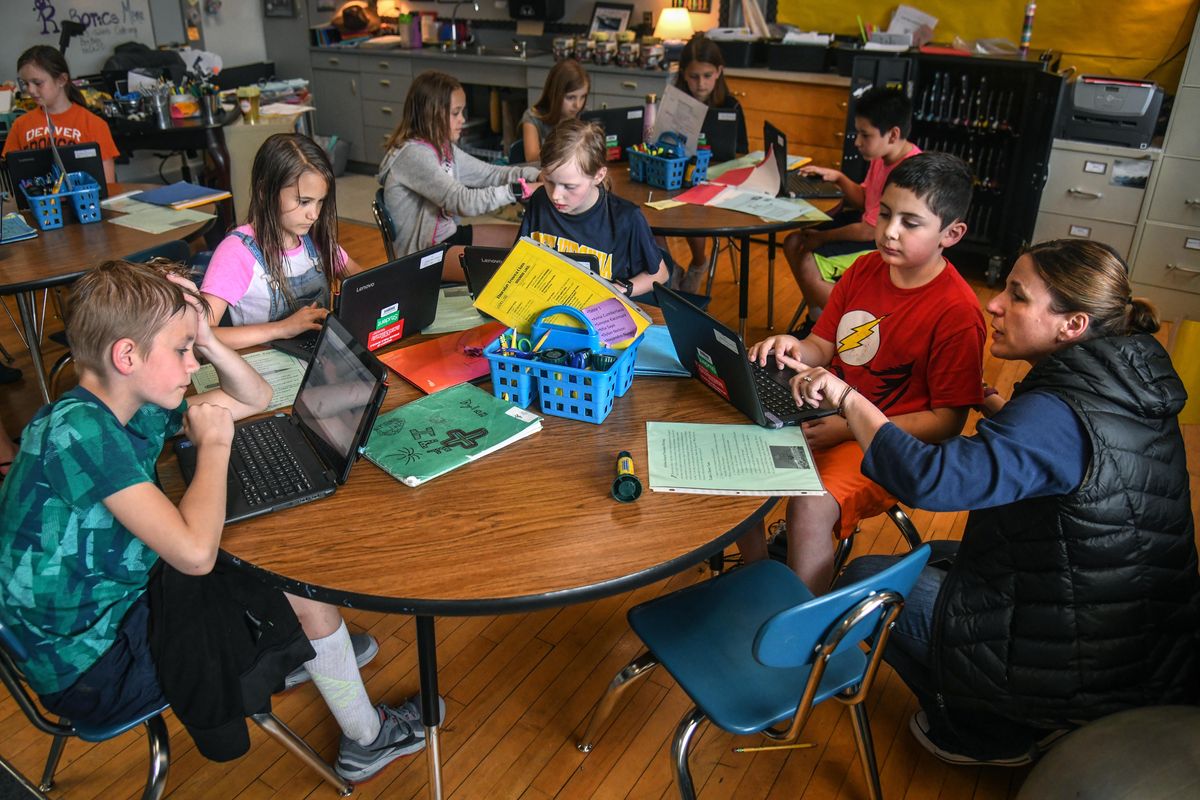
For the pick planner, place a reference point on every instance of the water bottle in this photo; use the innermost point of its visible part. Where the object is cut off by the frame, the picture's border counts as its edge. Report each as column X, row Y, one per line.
column 648, row 118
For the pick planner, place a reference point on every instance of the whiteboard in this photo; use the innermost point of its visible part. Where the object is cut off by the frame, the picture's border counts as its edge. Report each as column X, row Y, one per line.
column 109, row 23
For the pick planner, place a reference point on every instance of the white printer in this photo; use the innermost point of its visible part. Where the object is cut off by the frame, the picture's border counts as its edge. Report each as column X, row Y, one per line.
column 1121, row 111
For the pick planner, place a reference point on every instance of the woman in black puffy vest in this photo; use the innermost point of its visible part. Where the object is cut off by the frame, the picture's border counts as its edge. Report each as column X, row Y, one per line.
column 1074, row 592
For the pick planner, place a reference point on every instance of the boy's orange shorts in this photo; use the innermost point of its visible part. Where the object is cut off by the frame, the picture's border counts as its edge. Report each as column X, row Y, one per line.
column 859, row 497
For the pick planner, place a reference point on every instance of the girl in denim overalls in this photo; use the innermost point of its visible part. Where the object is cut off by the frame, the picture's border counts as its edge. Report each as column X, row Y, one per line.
column 274, row 274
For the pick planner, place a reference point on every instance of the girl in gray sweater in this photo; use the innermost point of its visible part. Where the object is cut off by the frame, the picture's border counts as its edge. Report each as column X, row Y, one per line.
column 428, row 182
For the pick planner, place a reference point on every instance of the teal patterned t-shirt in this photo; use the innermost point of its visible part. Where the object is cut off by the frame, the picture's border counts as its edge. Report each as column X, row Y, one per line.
column 69, row 571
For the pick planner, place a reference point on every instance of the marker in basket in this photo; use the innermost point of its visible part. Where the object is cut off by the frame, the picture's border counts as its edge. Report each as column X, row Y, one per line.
column 626, row 488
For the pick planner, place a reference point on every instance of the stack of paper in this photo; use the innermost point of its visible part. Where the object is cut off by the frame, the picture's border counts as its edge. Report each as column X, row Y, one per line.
column 730, row 459
column 440, row 432
column 656, row 354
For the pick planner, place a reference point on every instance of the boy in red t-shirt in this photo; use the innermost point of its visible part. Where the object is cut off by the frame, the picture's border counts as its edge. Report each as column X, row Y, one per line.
column 820, row 256
column 909, row 336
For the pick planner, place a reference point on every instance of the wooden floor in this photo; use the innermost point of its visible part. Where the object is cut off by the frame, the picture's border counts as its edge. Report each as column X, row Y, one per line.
column 519, row 688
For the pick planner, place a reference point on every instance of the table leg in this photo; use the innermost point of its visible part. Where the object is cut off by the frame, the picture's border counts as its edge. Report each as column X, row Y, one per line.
column 27, row 308
column 430, row 710
column 744, row 288
column 771, row 282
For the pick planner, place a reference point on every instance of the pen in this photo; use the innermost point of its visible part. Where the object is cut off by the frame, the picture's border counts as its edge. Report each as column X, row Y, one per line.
column 650, row 196
column 796, row 746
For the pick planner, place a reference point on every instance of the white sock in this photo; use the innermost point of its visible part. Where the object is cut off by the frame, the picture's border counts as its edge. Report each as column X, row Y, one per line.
column 336, row 675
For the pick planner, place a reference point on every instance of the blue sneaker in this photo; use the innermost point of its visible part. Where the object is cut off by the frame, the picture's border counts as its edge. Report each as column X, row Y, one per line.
column 400, row 734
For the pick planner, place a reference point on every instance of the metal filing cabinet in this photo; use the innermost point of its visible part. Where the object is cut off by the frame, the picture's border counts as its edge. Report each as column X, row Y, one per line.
column 1094, row 191
column 1166, row 252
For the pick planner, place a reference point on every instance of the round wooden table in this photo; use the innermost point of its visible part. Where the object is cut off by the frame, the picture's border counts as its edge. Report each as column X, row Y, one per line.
column 530, row 526
column 58, row 257
column 693, row 220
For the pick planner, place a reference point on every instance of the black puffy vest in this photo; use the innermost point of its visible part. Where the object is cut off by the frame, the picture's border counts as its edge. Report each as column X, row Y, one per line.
column 1073, row 607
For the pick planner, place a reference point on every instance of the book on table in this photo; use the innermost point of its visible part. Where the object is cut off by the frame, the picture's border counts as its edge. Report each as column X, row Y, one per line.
column 437, row 364
column 182, row 194
column 730, row 459
column 535, row 277
column 440, row 432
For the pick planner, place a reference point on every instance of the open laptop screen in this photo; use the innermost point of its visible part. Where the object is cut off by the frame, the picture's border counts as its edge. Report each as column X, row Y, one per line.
column 336, row 399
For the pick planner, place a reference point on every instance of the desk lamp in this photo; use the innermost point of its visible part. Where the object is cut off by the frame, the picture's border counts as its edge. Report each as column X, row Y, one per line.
column 674, row 28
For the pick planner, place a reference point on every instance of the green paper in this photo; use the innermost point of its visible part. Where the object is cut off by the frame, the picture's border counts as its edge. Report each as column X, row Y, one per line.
column 443, row 431
column 730, row 459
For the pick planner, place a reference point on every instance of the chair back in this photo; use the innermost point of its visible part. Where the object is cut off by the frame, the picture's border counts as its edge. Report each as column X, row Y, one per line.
column 176, row 250
column 383, row 221
column 837, row 621
column 516, row 151
column 12, row 653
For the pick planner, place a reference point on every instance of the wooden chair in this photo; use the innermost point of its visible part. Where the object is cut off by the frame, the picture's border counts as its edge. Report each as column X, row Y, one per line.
column 755, row 651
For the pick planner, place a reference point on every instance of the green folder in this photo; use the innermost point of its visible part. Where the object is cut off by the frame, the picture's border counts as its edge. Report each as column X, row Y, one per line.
column 443, row 431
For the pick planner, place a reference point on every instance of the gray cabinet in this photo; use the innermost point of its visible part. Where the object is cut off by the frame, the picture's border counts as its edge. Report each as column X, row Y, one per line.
column 337, row 96
column 1166, row 255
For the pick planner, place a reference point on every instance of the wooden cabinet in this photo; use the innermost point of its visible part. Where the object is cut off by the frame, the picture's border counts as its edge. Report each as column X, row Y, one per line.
column 811, row 115
column 1166, row 260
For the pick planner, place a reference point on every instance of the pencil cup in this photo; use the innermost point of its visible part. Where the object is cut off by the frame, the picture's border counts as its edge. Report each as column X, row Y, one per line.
column 161, row 103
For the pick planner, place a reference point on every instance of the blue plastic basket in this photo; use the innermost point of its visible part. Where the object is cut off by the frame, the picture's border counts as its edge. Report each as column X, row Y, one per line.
column 669, row 171
column 562, row 391
column 84, row 198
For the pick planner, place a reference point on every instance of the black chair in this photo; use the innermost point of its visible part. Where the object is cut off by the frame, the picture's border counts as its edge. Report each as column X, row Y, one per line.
column 516, row 151
column 383, row 221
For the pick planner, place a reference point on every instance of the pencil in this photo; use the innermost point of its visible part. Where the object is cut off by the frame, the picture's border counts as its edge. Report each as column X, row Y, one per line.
column 796, row 746
column 541, row 341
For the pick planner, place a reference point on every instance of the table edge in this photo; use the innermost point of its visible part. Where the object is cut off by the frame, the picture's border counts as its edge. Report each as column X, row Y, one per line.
column 505, row 605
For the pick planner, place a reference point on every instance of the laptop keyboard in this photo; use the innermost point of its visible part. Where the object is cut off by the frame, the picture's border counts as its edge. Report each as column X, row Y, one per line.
column 774, row 396
column 265, row 465
column 800, row 186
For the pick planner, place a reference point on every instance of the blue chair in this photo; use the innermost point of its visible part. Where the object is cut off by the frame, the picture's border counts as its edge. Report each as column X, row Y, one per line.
column 383, row 221
column 753, row 649
column 12, row 653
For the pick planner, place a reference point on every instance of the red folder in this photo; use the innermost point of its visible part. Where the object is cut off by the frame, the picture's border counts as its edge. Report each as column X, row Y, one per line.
column 443, row 362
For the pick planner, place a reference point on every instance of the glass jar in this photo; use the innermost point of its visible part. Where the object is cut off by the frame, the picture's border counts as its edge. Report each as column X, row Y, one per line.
column 563, row 47
column 653, row 56
column 606, row 52
column 627, row 54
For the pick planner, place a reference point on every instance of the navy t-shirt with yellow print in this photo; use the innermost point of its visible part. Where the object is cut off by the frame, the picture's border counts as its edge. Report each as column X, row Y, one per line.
column 613, row 229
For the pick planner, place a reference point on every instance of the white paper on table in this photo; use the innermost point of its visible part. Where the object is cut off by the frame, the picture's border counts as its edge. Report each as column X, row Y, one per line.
column 807, row 37
column 765, row 178
column 160, row 219
column 6, row 98
column 758, row 205
column 283, row 109
column 908, row 20
column 681, row 113
column 137, row 80
column 283, row 372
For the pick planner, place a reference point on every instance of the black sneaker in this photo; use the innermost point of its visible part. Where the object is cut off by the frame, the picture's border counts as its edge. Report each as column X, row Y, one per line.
column 365, row 648
column 919, row 726
column 9, row 374
column 400, row 734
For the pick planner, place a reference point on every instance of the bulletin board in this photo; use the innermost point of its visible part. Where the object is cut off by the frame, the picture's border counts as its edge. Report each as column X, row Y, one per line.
column 109, row 23
column 1126, row 38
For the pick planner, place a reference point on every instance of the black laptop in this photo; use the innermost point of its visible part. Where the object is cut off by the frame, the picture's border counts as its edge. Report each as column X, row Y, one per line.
column 384, row 304
column 289, row 459
column 714, row 354
column 33, row 164
column 622, row 128
column 479, row 264
column 793, row 184
column 721, row 126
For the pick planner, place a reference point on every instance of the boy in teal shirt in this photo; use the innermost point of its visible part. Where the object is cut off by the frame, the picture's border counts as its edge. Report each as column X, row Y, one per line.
column 84, row 520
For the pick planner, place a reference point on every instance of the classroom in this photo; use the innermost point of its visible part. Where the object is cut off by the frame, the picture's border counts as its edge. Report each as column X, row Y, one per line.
column 859, row 348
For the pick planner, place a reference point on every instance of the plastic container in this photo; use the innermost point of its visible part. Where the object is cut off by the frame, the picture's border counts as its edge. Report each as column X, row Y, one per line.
column 740, row 53
column 84, row 199
column 797, row 57
column 670, row 171
column 563, row 391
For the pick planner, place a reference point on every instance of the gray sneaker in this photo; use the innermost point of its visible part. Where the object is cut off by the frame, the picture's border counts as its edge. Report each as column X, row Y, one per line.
column 400, row 734
column 365, row 648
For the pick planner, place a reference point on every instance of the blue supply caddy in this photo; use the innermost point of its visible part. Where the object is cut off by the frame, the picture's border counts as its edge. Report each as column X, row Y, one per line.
column 84, row 197
column 583, row 391
column 671, row 170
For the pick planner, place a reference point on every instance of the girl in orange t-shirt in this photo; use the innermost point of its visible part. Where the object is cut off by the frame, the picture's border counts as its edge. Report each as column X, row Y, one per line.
column 46, row 78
